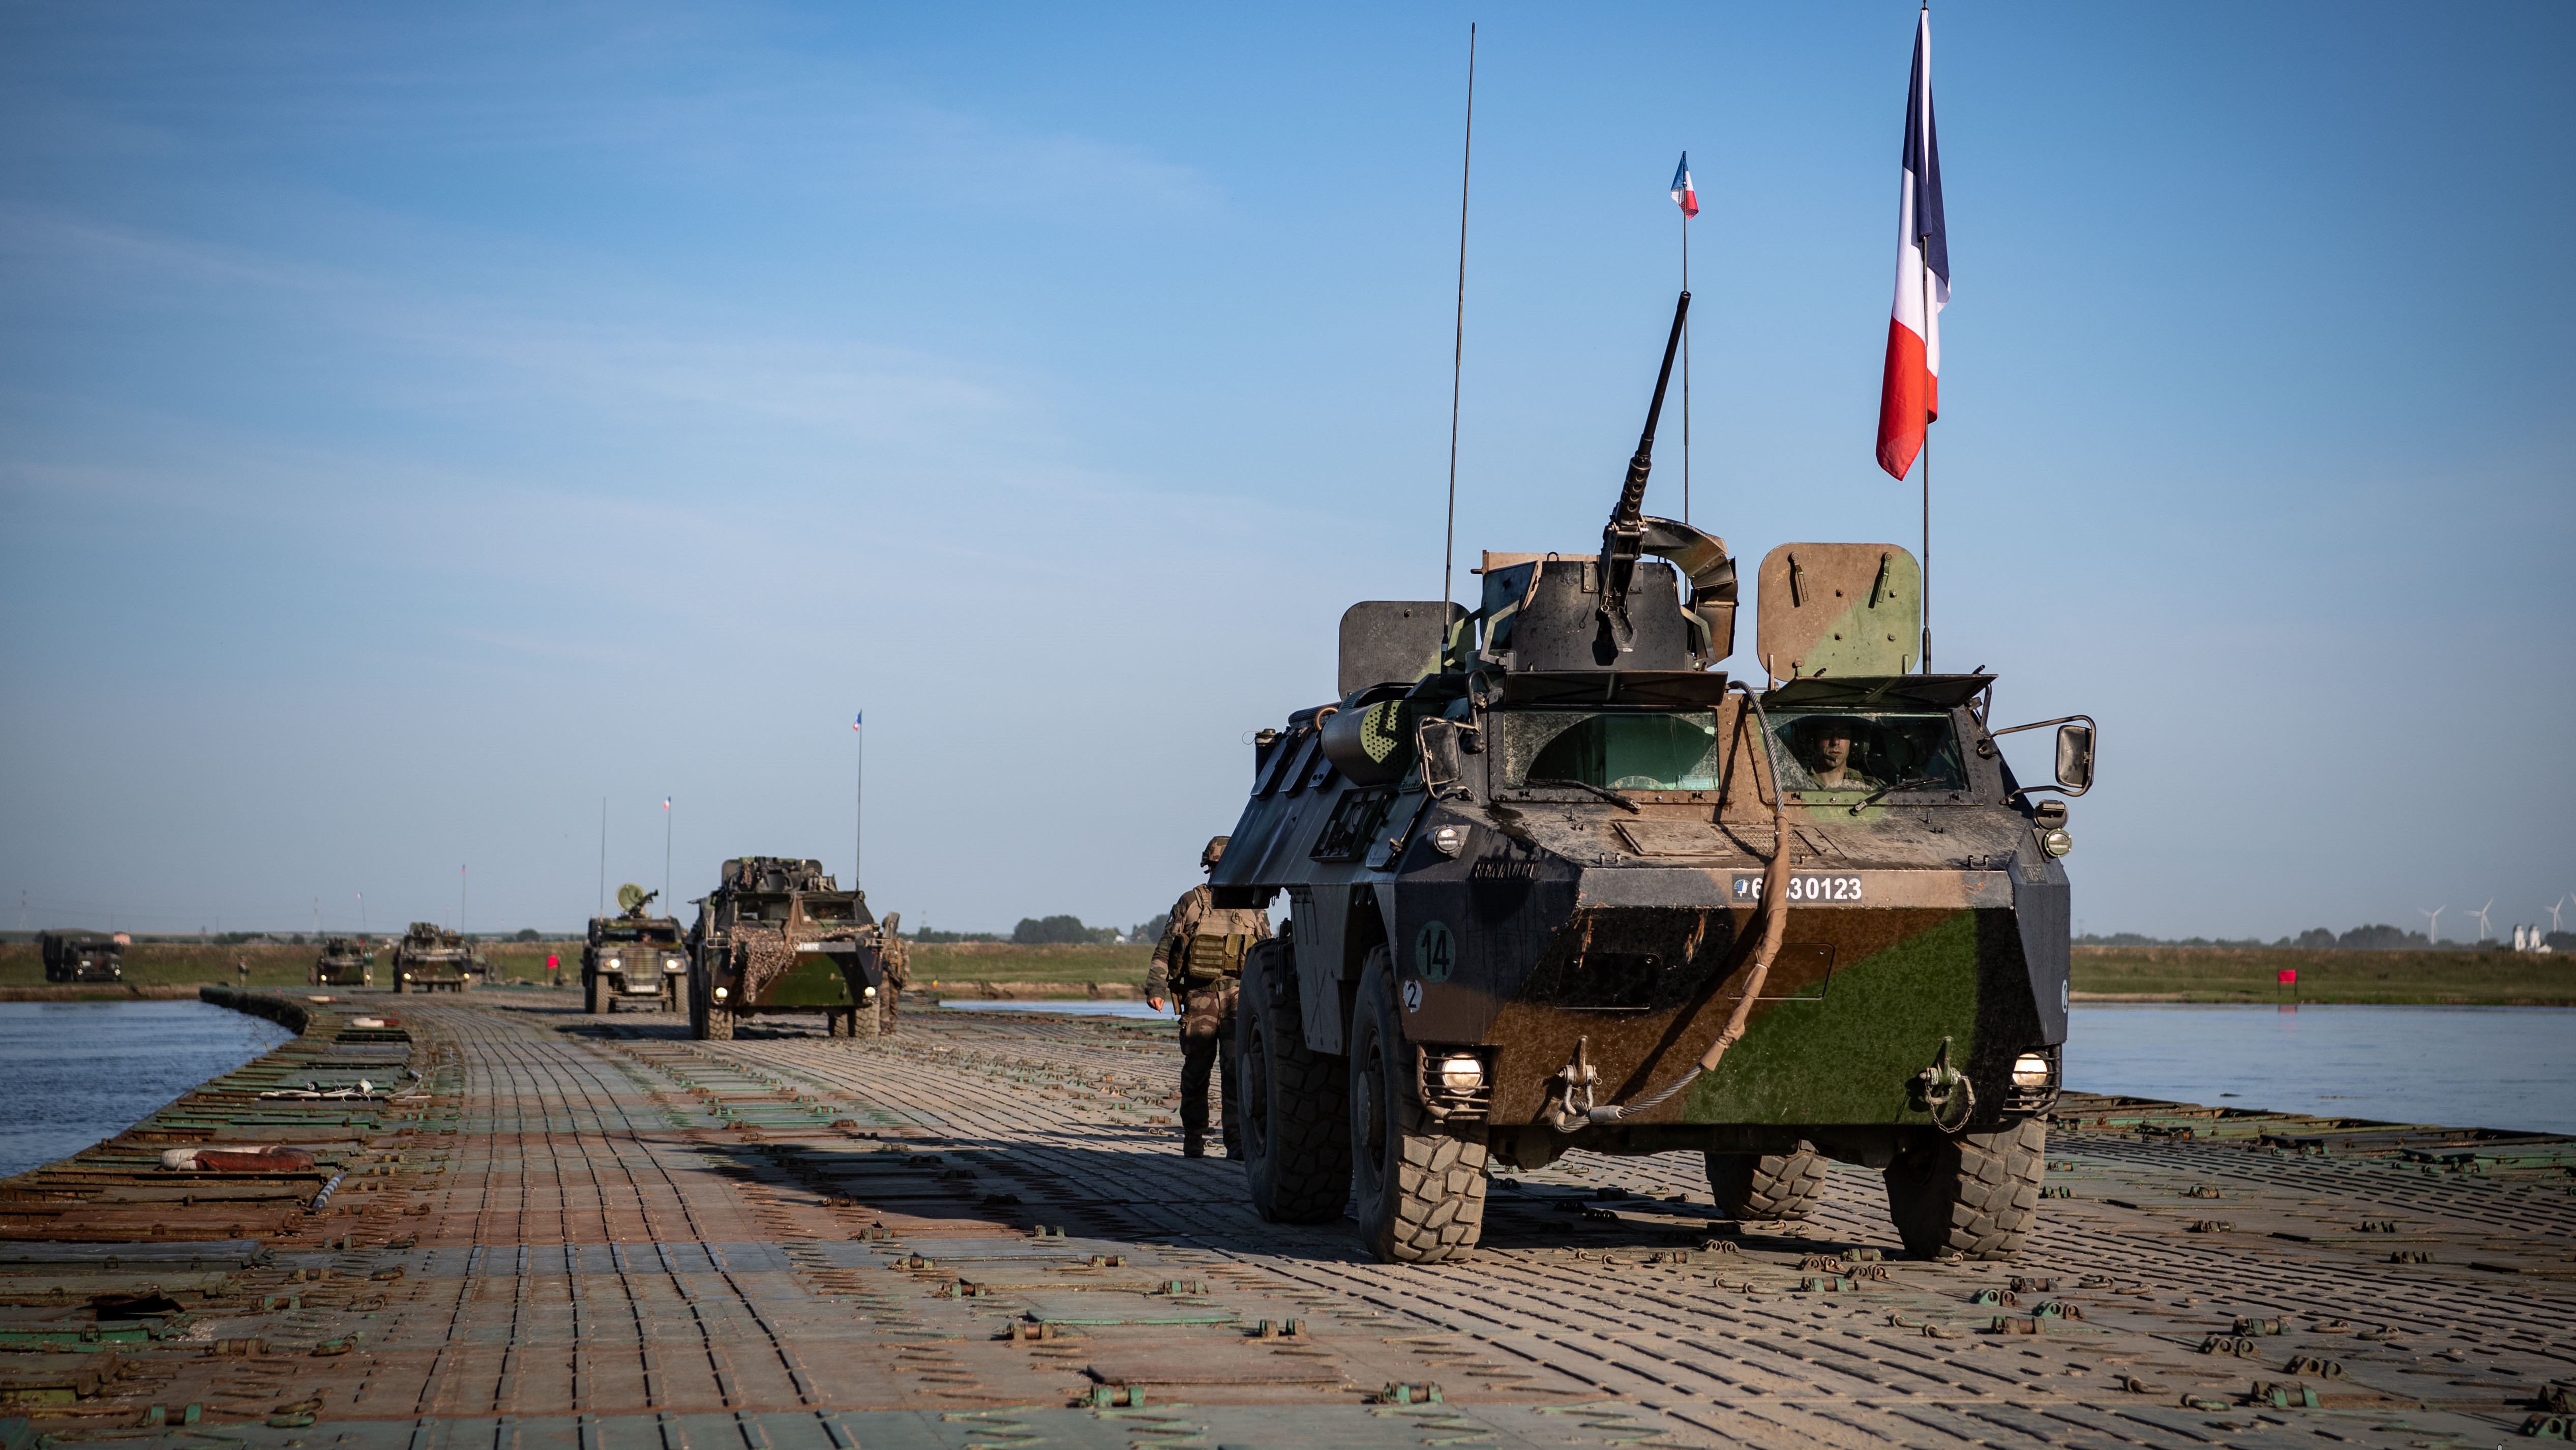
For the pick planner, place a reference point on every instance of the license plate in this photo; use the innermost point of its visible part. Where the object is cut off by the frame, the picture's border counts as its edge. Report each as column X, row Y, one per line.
column 1805, row 889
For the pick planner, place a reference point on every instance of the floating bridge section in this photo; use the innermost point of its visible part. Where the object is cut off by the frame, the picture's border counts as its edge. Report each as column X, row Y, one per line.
column 548, row 1229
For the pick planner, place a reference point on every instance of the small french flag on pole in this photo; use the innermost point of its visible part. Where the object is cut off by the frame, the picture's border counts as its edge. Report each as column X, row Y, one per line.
column 1685, row 195
column 859, row 719
column 666, row 803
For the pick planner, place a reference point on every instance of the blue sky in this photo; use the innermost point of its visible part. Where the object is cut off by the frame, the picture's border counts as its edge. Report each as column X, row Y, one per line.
column 419, row 425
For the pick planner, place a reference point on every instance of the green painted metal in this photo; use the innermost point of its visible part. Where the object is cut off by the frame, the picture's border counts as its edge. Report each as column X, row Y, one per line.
column 815, row 981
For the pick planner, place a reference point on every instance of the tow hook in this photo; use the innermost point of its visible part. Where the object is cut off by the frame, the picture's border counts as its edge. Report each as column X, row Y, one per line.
column 1936, row 1087
column 1573, row 1106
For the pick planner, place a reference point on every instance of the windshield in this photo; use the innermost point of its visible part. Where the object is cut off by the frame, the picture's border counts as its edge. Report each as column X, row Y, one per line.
column 1619, row 750
column 1856, row 751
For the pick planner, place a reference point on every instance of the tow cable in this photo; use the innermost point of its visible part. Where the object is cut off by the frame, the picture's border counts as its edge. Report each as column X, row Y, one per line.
column 1577, row 1076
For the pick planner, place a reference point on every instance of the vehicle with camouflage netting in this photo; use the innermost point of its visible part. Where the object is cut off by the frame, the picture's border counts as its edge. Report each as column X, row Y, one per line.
column 633, row 958
column 344, row 962
column 779, row 936
column 430, row 958
column 1556, row 881
column 72, row 955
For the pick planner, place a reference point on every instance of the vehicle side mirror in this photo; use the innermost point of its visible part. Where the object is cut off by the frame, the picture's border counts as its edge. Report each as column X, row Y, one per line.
column 2075, row 757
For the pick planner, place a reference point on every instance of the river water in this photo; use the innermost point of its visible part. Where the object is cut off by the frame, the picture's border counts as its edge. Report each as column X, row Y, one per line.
column 2478, row 1067
column 82, row 1071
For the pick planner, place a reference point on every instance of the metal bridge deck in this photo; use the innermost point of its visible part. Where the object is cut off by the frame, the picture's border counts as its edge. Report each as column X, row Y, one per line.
column 587, row 1233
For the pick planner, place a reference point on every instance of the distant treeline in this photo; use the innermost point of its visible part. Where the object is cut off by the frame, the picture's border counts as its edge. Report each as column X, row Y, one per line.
column 1050, row 931
column 2359, row 939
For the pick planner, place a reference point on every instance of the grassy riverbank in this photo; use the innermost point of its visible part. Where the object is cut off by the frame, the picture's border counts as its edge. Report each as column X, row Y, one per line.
column 2222, row 974
column 1004, row 962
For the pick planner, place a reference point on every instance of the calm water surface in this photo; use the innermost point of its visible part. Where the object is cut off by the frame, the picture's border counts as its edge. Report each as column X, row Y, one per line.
column 2462, row 1067
column 2474, row 1067
column 82, row 1071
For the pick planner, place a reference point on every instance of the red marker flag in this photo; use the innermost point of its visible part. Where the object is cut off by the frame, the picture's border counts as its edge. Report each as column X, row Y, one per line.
column 1910, row 397
column 2289, row 976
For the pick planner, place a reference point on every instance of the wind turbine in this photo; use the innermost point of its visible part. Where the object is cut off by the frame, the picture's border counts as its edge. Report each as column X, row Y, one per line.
column 2434, row 934
column 2553, row 915
column 2484, row 931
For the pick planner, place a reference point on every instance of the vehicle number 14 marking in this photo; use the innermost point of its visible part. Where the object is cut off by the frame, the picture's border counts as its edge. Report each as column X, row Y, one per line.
column 1805, row 889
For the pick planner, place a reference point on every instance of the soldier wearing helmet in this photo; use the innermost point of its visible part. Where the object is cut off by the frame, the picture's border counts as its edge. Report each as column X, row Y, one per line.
column 1199, row 963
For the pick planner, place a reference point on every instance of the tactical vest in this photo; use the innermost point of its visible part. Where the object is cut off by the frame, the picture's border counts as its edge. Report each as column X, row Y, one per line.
column 1206, row 956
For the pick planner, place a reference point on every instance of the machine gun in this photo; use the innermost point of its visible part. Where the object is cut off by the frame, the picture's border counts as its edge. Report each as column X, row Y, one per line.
column 632, row 899
column 1631, row 533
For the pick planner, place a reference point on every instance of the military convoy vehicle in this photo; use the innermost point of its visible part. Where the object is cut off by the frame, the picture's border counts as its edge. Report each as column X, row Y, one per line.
column 1555, row 881
column 430, row 958
column 778, row 936
column 82, row 956
column 634, row 958
column 345, row 962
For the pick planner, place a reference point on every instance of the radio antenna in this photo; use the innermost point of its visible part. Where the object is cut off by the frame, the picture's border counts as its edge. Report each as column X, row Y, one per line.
column 1458, row 346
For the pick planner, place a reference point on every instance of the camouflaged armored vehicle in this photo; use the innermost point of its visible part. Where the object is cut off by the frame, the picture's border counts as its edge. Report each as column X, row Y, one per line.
column 82, row 956
column 344, row 962
column 430, row 958
column 1555, row 880
column 634, row 958
column 779, row 936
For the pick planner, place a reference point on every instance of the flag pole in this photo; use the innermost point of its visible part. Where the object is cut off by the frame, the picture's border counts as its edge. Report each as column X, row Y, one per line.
column 1686, row 429
column 1932, row 328
column 1458, row 346
column 859, row 801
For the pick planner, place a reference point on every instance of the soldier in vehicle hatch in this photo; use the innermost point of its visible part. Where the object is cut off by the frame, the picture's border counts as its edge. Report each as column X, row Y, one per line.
column 1199, row 963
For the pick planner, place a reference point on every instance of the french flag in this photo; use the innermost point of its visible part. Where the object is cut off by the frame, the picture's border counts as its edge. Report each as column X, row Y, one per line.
column 1910, row 397
column 1684, row 195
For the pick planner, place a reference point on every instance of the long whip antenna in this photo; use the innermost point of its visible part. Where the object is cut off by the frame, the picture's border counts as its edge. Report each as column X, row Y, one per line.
column 1458, row 345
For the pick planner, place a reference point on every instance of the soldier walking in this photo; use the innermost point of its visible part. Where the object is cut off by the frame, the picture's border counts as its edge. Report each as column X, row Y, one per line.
column 1199, row 963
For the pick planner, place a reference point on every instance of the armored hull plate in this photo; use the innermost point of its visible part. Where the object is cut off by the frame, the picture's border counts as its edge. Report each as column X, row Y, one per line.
column 581, row 1231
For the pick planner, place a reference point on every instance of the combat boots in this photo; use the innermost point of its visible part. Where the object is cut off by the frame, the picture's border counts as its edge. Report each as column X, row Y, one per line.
column 1194, row 1145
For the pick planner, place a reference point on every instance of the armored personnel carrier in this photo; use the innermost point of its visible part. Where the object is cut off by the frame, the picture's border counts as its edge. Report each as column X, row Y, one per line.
column 777, row 935
column 430, row 958
column 345, row 962
column 632, row 957
column 1555, row 880
column 82, row 956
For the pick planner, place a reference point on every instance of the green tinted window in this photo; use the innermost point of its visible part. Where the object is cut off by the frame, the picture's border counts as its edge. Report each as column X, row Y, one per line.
column 1676, row 750
column 1859, row 751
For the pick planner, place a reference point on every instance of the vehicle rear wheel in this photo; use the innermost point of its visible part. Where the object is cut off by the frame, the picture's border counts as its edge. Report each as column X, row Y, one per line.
column 840, row 1022
column 599, row 999
column 1974, row 1195
column 1295, row 1113
column 1767, row 1185
column 1420, row 1185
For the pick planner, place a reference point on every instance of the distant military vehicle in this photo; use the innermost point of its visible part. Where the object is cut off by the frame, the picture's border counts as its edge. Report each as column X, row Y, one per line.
column 777, row 935
column 345, row 962
column 1555, row 881
column 82, row 956
column 430, row 958
column 634, row 958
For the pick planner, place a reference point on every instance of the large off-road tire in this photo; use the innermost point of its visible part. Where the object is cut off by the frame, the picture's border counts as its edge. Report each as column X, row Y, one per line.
column 402, row 980
column 1419, row 1185
column 1974, row 1195
column 1295, row 1115
column 720, row 1023
column 600, row 1001
column 1767, row 1185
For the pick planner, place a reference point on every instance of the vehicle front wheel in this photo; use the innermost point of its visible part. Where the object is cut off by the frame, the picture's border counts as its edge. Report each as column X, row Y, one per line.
column 599, row 1001
column 1767, row 1185
column 1420, row 1185
column 1974, row 1195
column 1296, row 1123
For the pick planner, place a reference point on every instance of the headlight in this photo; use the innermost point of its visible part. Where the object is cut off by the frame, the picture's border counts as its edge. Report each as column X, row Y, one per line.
column 2030, row 1070
column 2057, row 843
column 872, row 991
column 1449, row 840
column 612, row 961
column 720, row 994
column 674, row 964
column 406, row 976
column 1462, row 1073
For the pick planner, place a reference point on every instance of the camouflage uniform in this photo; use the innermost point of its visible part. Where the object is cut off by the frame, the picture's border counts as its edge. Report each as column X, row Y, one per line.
column 894, row 956
column 1199, row 963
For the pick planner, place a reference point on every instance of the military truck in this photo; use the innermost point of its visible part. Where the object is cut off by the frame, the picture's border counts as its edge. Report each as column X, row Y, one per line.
column 430, row 958
column 345, row 962
column 779, row 936
column 82, row 956
column 632, row 957
column 1555, row 881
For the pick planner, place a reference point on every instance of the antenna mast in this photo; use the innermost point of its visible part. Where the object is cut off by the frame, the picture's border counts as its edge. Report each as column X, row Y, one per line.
column 1458, row 345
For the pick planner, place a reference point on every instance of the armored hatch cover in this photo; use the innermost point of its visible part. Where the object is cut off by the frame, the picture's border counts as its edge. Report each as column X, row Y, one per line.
column 1839, row 609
